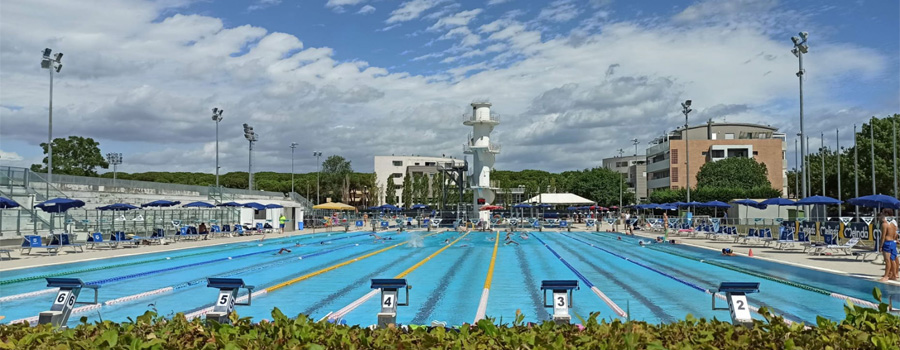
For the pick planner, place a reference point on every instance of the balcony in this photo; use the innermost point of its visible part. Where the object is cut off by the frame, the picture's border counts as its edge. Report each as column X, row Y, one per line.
column 658, row 183
column 469, row 119
column 491, row 148
column 657, row 149
column 660, row 165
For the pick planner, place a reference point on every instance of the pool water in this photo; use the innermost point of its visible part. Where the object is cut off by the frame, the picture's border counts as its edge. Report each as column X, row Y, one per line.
column 658, row 283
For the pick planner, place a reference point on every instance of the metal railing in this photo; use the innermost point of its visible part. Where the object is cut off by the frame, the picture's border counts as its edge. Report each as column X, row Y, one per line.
column 491, row 147
column 470, row 118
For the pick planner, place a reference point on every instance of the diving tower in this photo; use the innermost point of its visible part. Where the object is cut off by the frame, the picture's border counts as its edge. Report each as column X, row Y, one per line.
column 483, row 153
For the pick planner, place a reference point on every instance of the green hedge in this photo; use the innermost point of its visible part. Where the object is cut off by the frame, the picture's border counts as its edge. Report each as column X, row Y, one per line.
column 862, row 328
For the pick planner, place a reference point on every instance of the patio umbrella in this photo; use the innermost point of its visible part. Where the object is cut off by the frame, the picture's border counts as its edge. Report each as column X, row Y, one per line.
column 875, row 201
column 334, row 206
column 419, row 206
column 58, row 205
column 274, row 206
column 491, row 207
column 716, row 205
column 780, row 202
column 230, row 204
column 257, row 206
column 117, row 207
column 198, row 205
column 750, row 203
column 390, row 207
column 7, row 203
column 571, row 208
column 819, row 200
column 160, row 203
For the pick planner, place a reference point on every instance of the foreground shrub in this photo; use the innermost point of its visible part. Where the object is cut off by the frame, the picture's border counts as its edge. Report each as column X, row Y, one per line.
column 862, row 328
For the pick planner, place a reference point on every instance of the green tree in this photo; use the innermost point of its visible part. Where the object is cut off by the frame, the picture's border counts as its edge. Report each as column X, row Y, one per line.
column 335, row 170
column 390, row 191
column 75, row 155
column 407, row 191
column 601, row 185
column 735, row 172
column 436, row 190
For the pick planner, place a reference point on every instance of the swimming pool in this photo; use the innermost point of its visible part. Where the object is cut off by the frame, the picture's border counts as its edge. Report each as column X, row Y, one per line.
column 659, row 283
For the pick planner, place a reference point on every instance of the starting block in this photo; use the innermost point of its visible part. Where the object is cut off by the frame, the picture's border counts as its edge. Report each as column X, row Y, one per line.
column 390, row 299
column 564, row 224
column 66, row 298
column 228, row 292
column 562, row 298
column 736, row 294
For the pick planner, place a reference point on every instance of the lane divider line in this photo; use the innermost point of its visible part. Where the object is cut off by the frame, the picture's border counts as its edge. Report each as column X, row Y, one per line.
column 352, row 306
column 33, row 320
column 689, row 284
column 206, row 310
column 482, row 304
column 153, row 272
column 618, row 310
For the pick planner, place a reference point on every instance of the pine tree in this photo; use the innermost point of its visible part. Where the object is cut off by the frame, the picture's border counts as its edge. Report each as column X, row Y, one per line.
column 390, row 192
column 407, row 193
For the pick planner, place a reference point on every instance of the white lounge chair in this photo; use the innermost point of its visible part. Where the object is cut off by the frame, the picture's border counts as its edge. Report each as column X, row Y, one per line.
column 845, row 248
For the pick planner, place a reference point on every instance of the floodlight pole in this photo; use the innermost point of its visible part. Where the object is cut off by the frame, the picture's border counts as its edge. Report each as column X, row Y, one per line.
column 293, row 146
column 686, row 109
column 799, row 49
column 822, row 152
column 317, row 154
column 796, row 169
column 856, row 168
column 621, row 180
column 250, row 166
column 872, row 150
column 51, row 64
column 894, row 148
column 837, row 137
column 217, row 117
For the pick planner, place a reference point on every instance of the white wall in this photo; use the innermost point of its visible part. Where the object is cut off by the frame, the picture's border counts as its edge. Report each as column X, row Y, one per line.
column 384, row 167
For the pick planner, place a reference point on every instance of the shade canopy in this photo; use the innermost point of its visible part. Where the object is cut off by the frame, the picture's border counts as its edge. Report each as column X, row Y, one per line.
column 389, row 207
column 118, row 206
column 875, row 201
column 522, row 205
column 560, row 198
column 491, row 207
column 571, row 208
column 274, row 206
column 817, row 200
column 750, row 203
column 7, row 203
column 778, row 201
column 716, row 204
column 419, row 206
column 59, row 205
column 334, row 206
column 161, row 203
column 231, row 204
column 198, row 205
column 255, row 206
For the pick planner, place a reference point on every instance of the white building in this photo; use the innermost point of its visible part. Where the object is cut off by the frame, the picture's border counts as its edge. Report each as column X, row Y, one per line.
column 397, row 168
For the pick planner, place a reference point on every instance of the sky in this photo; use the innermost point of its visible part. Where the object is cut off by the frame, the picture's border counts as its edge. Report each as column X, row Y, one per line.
column 572, row 80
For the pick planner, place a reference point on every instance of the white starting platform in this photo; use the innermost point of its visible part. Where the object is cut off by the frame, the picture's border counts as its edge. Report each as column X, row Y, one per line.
column 390, row 292
column 66, row 298
column 562, row 298
column 736, row 295
column 225, row 302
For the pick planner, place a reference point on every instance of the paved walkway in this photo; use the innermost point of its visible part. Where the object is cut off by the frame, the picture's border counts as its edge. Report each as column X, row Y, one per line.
column 39, row 257
column 838, row 264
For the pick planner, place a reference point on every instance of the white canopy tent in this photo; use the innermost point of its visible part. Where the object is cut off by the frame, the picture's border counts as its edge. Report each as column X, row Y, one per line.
column 559, row 199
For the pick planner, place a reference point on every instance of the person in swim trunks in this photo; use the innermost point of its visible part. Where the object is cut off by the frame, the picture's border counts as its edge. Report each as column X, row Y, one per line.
column 727, row 252
column 889, row 245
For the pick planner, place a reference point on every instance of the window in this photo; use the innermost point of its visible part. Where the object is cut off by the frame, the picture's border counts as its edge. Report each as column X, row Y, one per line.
column 621, row 164
column 738, row 152
column 417, row 163
column 674, row 174
column 729, row 136
column 756, row 153
column 674, row 156
column 259, row 215
column 704, row 153
column 713, row 136
column 398, row 163
column 674, row 187
column 763, row 135
column 430, row 163
column 718, row 153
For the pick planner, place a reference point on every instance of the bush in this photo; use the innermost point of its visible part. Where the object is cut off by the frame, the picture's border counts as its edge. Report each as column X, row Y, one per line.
column 863, row 328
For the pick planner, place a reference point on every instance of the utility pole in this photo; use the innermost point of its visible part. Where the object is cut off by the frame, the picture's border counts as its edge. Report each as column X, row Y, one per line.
column 822, row 153
column 686, row 109
column 856, row 168
column 837, row 137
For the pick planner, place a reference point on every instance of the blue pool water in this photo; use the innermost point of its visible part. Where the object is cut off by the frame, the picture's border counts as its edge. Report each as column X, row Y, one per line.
column 655, row 284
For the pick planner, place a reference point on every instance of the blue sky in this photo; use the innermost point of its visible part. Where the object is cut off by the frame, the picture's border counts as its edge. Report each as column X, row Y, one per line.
column 361, row 78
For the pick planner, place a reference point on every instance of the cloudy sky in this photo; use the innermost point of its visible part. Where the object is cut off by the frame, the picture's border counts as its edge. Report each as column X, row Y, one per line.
column 573, row 80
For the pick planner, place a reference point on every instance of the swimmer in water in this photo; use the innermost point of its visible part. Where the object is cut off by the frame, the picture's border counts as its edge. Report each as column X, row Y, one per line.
column 523, row 235
column 298, row 245
column 447, row 241
column 619, row 238
column 284, row 250
column 641, row 243
column 727, row 252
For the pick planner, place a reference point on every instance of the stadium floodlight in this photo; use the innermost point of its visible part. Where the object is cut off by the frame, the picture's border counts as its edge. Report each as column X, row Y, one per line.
column 251, row 137
column 51, row 64
column 317, row 155
column 686, row 109
column 217, row 117
column 800, row 48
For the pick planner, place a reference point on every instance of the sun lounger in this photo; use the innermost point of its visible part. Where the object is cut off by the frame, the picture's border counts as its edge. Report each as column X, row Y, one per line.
column 5, row 251
column 845, row 248
column 119, row 237
column 96, row 238
column 34, row 242
column 65, row 240
column 786, row 240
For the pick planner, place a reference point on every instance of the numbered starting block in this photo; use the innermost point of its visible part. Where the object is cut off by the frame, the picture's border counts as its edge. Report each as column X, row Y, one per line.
column 562, row 298
column 564, row 225
column 228, row 292
column 736, row 295
column 390, row 290
column 66, row 298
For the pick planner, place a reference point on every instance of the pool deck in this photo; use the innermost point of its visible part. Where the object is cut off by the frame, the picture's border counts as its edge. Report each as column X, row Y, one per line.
column 39, row 257
column 838, row 264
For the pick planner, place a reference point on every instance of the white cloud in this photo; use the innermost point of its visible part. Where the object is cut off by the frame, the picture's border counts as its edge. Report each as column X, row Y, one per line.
column 365, row 10
column 337, row 3
column 459, row 19
column 559, row 11
column 10, row 156
column 262, row 4
column 411, row 10
column 137, row 74
column 705, row 9
column 497, row 2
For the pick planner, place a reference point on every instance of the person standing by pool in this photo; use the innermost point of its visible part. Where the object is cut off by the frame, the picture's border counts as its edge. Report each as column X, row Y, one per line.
column 281, row 222
column 889, row 245
column 665, row 225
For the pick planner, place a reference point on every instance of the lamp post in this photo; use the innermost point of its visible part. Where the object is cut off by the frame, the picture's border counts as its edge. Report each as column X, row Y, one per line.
column 251, row 137
column 317, row 155
column 855, row 168
column 797, row 170
column 840, row 152
column 51, row 64
column 217, row 117
column 293, row 146
column 635, row 142
column 872, row 149
column 621, row 179
column 686, row 109
column 114, row 159
column 801, row 48
column 822, row 152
